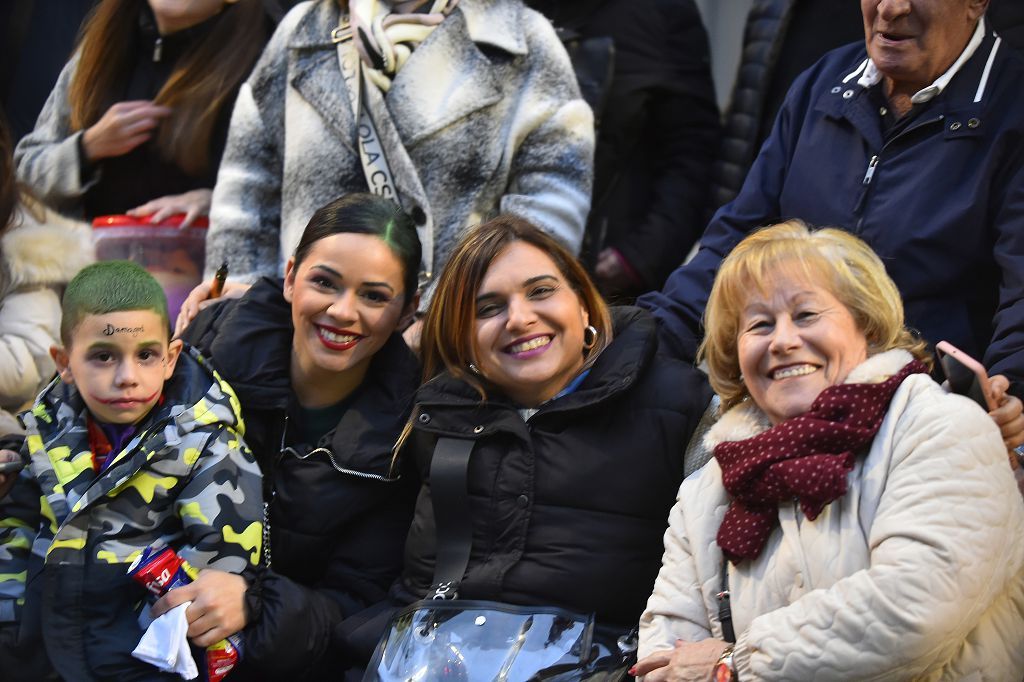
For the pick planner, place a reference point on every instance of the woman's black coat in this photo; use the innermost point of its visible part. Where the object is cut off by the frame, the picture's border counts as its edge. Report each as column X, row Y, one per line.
column 338, row 521
column 568, row 508
column 657, row 131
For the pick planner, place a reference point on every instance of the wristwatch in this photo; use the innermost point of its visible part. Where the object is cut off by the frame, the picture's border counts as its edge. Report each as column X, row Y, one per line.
column 724, row 671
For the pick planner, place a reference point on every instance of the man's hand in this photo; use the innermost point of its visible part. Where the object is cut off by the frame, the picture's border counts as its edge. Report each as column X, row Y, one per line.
column 1009, row 415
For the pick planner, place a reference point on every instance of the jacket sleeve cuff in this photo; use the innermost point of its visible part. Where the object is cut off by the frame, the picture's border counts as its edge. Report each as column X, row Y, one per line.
column 88, row 171
column 741, row 657
column 254, row 595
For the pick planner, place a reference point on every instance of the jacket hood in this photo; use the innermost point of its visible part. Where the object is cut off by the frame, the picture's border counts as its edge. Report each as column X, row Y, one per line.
column 48, row 253
column 746, row 420
column 632, row 348
column 250, row 340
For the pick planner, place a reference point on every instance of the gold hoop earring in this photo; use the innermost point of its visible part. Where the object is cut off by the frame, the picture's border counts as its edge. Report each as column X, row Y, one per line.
column 592, row 341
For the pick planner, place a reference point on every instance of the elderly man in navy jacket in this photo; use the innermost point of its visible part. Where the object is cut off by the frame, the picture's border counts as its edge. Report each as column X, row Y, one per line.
column 914, row 142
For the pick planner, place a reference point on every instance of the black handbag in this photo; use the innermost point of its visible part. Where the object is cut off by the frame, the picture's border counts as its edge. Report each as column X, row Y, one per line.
column 446, row 638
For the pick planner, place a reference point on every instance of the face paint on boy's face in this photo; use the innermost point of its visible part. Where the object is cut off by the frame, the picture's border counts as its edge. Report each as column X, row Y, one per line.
column 119, row 374
column 110, row 330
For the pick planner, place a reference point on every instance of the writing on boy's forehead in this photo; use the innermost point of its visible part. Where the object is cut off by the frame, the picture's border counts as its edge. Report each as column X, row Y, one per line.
column 110, row 330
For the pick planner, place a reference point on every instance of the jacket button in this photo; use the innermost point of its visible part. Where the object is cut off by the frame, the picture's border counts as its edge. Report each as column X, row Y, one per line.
column 973, row 123
column 478, row 429
column 836, row 90
column 522, row 501
column 848, row 94
column 955, row 125
column 424, row 418
column 418, row 216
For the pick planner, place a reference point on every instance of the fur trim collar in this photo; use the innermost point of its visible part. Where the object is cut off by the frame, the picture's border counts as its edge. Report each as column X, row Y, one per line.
column 45, row 253
column 747, row 420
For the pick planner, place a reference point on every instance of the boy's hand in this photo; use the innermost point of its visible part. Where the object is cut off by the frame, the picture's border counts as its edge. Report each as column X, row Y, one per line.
column 7, row 480
column 217, row 609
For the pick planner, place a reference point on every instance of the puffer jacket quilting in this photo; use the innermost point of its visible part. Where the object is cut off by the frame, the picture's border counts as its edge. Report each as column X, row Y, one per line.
column 916, row 573
column 186, row 480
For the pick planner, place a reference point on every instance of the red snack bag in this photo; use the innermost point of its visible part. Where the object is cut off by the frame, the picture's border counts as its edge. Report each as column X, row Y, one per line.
column 162, row 570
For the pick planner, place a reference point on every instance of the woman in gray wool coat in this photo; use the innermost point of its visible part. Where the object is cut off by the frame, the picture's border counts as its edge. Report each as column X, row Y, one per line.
column 474, row 105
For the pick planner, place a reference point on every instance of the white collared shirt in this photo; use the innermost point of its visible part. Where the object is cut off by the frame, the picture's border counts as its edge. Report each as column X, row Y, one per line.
column 872, row 75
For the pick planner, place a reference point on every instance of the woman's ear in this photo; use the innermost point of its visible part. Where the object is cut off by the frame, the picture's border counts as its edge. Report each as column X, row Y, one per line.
column 289, row 279
column 409, row 312
column 63, row 361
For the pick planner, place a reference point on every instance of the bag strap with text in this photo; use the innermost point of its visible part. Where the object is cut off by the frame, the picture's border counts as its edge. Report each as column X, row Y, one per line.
column 379, row 178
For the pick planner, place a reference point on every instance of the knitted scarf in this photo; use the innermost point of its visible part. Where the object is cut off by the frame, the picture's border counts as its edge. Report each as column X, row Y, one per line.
column 386, row 32
column 805, row 458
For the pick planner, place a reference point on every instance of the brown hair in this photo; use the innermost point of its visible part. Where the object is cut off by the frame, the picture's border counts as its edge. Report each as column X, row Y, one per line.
column 447, row 341
column 201, row 84
column 835, row 259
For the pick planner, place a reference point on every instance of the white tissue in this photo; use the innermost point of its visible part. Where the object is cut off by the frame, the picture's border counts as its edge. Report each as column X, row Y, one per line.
column 165, row 644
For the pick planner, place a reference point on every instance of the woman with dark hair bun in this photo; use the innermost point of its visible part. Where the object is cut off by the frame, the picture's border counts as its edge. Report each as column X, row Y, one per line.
column 138, row 119
column 326, row 384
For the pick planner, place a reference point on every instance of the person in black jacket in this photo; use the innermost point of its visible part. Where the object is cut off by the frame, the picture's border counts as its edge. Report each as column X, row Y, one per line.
column 578, row 426
column 644, row 67
column 326, row 384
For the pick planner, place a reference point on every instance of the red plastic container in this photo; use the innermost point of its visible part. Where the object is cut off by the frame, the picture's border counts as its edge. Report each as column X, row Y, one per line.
column 173, row 255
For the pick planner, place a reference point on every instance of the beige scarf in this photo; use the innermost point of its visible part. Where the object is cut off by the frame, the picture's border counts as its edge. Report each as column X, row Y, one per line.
column 385, row 33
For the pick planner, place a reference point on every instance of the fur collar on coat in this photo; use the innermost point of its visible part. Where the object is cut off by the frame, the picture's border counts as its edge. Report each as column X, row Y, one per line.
column 42, row 248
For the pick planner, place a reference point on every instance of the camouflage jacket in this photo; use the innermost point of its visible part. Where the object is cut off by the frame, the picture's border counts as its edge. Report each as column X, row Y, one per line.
column 68, row 534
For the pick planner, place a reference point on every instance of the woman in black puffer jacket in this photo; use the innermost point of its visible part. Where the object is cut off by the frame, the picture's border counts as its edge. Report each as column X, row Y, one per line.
column 578, row 427
column 326, row 384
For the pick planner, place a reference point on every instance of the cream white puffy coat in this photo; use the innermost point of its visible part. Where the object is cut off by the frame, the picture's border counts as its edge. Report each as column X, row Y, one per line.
column 916, row 573
column 38, row 255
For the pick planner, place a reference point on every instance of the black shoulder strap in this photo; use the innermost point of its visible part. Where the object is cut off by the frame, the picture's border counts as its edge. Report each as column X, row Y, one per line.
column 724, row 607
column 450, row 499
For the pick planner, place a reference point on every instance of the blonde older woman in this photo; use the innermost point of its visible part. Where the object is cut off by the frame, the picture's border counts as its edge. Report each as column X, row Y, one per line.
column 861, row 522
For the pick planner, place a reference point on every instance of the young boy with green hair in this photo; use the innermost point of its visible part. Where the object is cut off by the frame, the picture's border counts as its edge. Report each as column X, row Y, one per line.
column 138, row 444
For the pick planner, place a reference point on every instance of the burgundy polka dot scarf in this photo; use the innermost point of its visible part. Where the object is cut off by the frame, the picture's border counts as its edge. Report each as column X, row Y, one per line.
column 804, row 458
